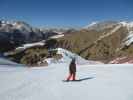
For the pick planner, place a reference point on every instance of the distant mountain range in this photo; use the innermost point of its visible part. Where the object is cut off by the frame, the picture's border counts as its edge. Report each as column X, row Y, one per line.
column 97, row 41
column 15, row 33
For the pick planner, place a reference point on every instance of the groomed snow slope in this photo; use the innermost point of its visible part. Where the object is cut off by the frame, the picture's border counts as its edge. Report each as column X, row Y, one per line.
column 4, row 61
column 104, row 82
column 67, row 57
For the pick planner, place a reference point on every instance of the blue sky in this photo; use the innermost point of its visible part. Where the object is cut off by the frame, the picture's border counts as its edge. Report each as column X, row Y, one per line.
column 65, row 13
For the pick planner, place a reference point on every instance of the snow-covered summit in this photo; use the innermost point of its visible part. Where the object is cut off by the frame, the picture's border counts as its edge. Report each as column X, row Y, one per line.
column 108, row 24
column 91, row 24
column 125, row 23
column 129, row 38
column 20, row 25
column 100, row 25
column 128, row 25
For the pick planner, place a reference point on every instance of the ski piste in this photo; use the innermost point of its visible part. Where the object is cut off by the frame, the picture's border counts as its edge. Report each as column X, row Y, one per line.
column 39, row 83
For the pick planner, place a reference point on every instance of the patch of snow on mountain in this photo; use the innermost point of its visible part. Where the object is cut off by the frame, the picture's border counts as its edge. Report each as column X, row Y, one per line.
column 129, row 39
column 67, row 57
column 101, row 25
column 129, row 25
column 93, row 23
column 28, row 45
column 90, row 25
column 22, row 27
column 4, row 61
column 57, row 36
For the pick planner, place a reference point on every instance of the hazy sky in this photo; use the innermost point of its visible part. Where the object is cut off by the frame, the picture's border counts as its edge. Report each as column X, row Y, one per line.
column 65, row 12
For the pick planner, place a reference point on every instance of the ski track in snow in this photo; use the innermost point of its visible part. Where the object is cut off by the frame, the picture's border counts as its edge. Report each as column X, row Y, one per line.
column 107, row 82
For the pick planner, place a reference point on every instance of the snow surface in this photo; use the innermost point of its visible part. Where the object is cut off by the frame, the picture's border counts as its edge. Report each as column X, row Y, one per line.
column 129, row 39
column 127, row 24
column 98, row 26
column 90, row 25
column 100, row 82
column 57, row 36
column 67, row 57
column 29, row 45
column 4, row 61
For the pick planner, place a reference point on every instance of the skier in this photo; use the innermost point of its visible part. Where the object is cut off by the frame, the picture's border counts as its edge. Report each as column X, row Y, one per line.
column 72, row 70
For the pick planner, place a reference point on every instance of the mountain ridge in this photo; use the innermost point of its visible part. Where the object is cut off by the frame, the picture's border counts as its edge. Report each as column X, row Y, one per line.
column 99, row 41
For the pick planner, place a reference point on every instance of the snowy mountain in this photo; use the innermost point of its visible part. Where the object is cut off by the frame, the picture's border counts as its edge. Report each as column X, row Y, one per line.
column 129, row 25
column 96, row 41
column 56, row 30
column 109, row 24
column 16, row 33
column 100, row 25
column 101, row 40
column 5, row 61
column 29, row 45
column 67, row 57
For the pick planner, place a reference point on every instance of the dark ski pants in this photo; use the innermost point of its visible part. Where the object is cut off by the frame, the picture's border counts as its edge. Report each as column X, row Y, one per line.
column 71, row 75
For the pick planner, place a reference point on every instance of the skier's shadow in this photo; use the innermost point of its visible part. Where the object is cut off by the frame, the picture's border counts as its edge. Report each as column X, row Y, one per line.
column 83, row 79
column 79, row 80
